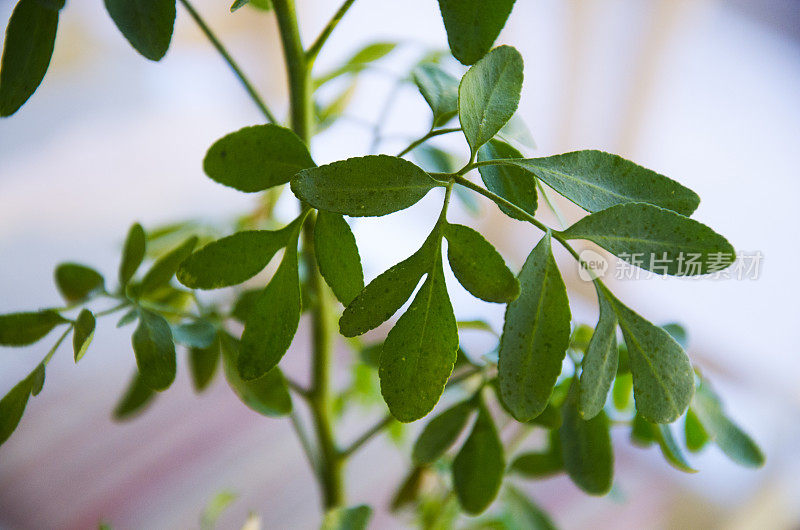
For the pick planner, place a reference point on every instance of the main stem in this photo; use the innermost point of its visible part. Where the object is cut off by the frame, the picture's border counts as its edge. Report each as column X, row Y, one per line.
column 320, row 393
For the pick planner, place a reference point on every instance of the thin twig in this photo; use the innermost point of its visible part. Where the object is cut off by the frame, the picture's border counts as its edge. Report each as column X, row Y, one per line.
column 315, row 48
column 305, row 441
column 431, row 134
column 367, row 436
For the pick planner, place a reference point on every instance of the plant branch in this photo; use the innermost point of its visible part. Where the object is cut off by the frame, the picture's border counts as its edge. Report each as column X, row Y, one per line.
column 431, row 134
column 367, row 436
column 315, row 48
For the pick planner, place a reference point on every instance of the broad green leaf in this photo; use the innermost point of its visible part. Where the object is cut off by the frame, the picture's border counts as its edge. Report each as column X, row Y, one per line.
column 132, row 254
column 155, row 351
column 27, row 49
column 358, row 61
column 263, row 5
column 535, row 335
column 76, row 282
column 203, row 363
column 670, row 449
column 643, row 433
column 479, row 466
column 215, row 507
column 473, row 25
column 83, row 333
column 136, row 398
column 512, row 183
column 439, row 89
column 599, row 366
column 146, row 24
column 267, row 395
column 540, row 465
column 337, row 256
column 733, row 441
column 489, row 94
column 256, row 158
column 21, row 329
column 655, row 239
column 354, row 518
column 273, row 321
column 366, row 186
column 408, row 492
column 586, row 448
column 526, row 514
column 478, row 266
column 695, row 434
column 165, row 268
column 440, row 433
column 595, row 180
column 12, row 406
column 196, row 334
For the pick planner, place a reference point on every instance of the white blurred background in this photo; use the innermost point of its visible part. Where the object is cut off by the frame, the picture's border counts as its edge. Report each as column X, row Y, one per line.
column 705, row 91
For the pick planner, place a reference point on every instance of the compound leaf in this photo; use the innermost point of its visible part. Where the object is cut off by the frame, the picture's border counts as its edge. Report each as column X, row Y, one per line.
column 473, row 25
column 337, row 256
column 21, row 329
column 146, row 24
column 83, row 333
column 76, row 282
column 155, row 351
column 440, row 433
column 599, row 366
column 512, row 183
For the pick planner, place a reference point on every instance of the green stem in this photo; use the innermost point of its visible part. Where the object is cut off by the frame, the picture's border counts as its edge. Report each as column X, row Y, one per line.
column 431, row 134
column 314, row 49
column 367, row 436
column 248, row 86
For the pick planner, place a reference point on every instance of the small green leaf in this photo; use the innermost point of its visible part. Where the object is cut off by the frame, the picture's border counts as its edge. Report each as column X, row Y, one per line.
column 128, row 318
column 196, row 334
column 670, row 449
column 263, row 5
column 337, row 256
column 473, row 25
column 146, row 24
column 366, row 186
column 695, row 434
column 526, row 514
column 478, row 266
column 27, row 49
column 256, row 158
column 541, row 465
column 37, row 379
column 439, row 89
column 267, row 395
column 479, row 466
column 655, row 239
column 216, row 506
column 440, row 433
column 22, row 329
column 643, row 433
column 535, row 335
column 136, row 398
column 12, row 406
column 76, row 282
column 132, row 254
column 512, row 183
column 165, row 268
column 355, row 518
column 203, row 364
column 155, row 351
column 622, row 393
column 599, row 366
column 358, row 61
column 83, row 333
column 409, row 490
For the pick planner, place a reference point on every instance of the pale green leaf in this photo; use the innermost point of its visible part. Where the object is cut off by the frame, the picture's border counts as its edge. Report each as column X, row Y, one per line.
column 514, row 184
column 337, row 256
column 439, row 89
column 599, row 366
column 83, row 333
column 216, row 506
column 473, row 25
column 196, row 334
column 21, row 329
column 267, row 395
column 155, row 351
column 516, row 131
column 358, row 61
column 132, row 254
column 354, row 518
column 146, row 24
column 136, row 398
column 76, row 282
column 670, row 449
column 440, row 433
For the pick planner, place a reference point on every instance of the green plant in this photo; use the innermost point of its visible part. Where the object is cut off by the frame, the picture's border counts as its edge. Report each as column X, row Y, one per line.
column 633, row 212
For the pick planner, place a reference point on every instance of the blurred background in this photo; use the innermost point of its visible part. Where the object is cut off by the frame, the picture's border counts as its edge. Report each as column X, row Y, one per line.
column 705, row 91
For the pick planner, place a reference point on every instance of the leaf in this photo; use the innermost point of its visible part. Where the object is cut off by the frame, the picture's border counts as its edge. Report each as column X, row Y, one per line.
column 272, row 323
column 512, row 183
column 621, row 393
column 83, row 333
column 155, row 351
column 216, row 506
column 643, row 433
column 76, row 282
column 595, row 181
column 599, row 366
column 196, row 334
column 420, row 351
column 440, row 433
column 337, row 256
column 732, row 440
column 670, row 449
column 128, row 318
column 21, row 329
column 203, row 364
column 655, row 239
column 586, row 448
column 132, row 254
column 355, row 518
column 263, row 5
column 165, row 268
column 473, row 25
column 409, row 489
column 489, row 94
column 478, row 266
column 146, row 24
column 696, row 436
column 267, row 395
column 256, row 158
column 479, row 466
column 527, row 514
column 439, row 89
column 541, row 465
column 136, row 398
column 435, row 160
column 358, row 61
column 535, row 335
column 516, row 131
column 27, row 49
column 366, row 186
column 12, row 406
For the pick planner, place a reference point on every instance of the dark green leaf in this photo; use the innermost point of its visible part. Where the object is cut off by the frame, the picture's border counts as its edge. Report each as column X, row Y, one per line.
column 409, row 489
column 512, row 183
column 643, row 433
column 203, row 364
column 132, row 254
column 12, row 406
column 535, row 335
column 267, row 395
column 244, row 304
column 21, row 329
column 695, row 434
column 263, row 5
column 136, row 398
column 83, row 333
column 196, row 334
column 540, row 465
column 526, row 514
column 473, row 25
column 670, row 449
column 358, row 61
column 147, row 24
column 76, row 282
column 439, row 89
column 550, row 417
column 155, row 351
column 440, row 433
column 37, row 379
column 599, row 366
column 355, row 518
column 337, row 256
column 164, row 269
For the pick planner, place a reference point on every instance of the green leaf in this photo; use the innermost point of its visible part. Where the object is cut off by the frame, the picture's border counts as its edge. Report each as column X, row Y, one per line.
column 327, row 114
column 643, row 433
column 535, row 335
column 621, row 393
column 595, row 180
column 216, row 506
column 439, row 89
column 146, row 24
column 128, row 318
column 256, row 158
column 473, row 25
column 203, row 364
column 670, row 449
column 420, row 351
column 366, row 186
column 21, row 329
column 273, row 321
column 409, row 490
column 586, row 448
column 695, row 434
column 12, row 406
column 440, row 433
column 516, row 131
column 512, row 183
column 733, row 441
column 263, row 5
column 27, row 49
column 196, row 334
column 489, row 94
column 83, row 333
column 435, row 160
column 358, row 61
column 599, row 366
column 479, row 466
column 478, row 266
column 267, row 395
column 164, row 269
column 541, row 465
column 527, row 514
column 136, row 398
column 355, row 518
column 655, row 239
column 154, row 349
column 337, row 256
column 76, row 282
column 132, row 254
